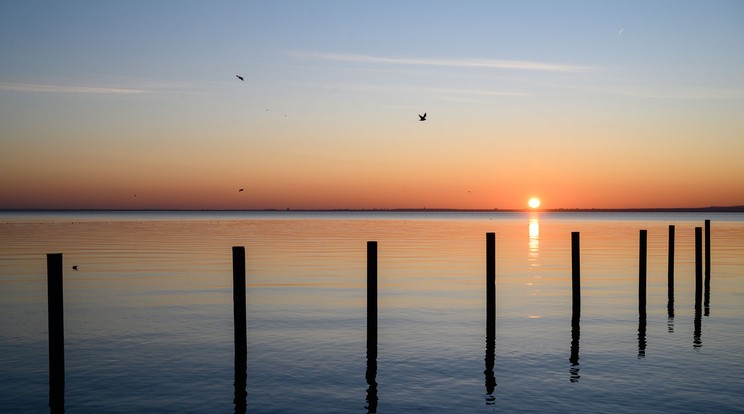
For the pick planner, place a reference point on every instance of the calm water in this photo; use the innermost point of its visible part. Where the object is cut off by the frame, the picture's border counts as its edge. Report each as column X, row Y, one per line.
column 149, row 328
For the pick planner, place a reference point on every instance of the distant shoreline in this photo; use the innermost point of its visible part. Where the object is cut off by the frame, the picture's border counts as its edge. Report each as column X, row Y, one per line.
column 711, row 209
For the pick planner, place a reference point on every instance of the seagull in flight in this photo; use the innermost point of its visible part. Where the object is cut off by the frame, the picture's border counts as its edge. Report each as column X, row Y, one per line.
column 74, row 267
column 241, row 190
column 422, row 117
column 239, row 77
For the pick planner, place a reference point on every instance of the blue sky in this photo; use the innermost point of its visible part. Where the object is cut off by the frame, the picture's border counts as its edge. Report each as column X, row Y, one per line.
column 150, row 86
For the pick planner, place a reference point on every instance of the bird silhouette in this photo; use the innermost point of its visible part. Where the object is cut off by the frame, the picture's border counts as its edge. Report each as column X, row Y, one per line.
column 74, row 267
column 239, row 77
column 422, row 117
column 240, row 190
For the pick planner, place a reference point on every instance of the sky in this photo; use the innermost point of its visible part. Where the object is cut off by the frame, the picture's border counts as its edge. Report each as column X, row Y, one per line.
column 582, row 104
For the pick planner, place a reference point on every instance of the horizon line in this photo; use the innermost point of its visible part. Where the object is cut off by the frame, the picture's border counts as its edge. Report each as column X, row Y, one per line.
column 723, row 209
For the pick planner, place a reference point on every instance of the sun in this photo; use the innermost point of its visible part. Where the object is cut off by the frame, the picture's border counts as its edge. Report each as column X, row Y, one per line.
column 534, row 202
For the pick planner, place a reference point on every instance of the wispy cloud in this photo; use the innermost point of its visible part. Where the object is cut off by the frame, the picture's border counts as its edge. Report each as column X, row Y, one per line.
column 377, row 88
column 46, row 88
column 457, row 63
column 478, row 92
column 679, row 93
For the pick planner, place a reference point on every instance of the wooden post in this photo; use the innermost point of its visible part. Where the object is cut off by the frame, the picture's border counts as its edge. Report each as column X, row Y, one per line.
column 575, row 305
column 707, row 253
column 239, row 317
column 642, row 273
column 670, row 264
column 575, row 272
column 490, row 316
column 372, row 293
column 698, row 267
column 697, row 324
column 371, row 374
column 706, row 299
column 490, row 280
column 670, row 274
column 55, row 311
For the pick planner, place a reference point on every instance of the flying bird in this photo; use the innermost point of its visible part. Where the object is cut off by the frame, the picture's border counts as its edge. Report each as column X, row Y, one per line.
column 240, row 190
column 74, row 267
column 422, row 117
column 239, row 77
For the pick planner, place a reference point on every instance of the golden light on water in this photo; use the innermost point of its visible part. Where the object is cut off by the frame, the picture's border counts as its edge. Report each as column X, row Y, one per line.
column 534, row 202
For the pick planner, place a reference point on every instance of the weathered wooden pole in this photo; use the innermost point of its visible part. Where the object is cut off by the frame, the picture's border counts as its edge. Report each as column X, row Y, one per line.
column 642, row 273
column 371, row 374
column 239, row 317
column 670, row 275
column 490, row 281
column 239, row 313
column 697, row 324
column 642, row 262
column 372, row 293
column 706, row 299
column 55, row 311
column 698, row 267
column 575, row 305
column 490, row 316
column 707, row 253
column 576, row 273
column 670, row 265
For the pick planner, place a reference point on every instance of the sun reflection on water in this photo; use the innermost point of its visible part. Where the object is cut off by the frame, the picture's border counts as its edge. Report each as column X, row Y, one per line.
column 534, row 243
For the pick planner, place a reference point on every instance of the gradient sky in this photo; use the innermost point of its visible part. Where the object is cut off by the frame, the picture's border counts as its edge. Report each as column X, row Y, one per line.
column 584, row 104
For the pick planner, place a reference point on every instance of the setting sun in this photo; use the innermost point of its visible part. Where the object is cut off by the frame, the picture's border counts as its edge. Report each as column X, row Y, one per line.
column 534, row 202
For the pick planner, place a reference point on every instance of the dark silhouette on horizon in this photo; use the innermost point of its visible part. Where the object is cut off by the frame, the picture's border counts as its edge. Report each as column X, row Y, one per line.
column 422, row 117
column 239, row 77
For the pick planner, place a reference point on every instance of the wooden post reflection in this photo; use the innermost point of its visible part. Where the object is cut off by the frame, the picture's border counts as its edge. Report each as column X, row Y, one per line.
column 371, row 374
column 490, row 317
column 239, row 318
column 55, row 311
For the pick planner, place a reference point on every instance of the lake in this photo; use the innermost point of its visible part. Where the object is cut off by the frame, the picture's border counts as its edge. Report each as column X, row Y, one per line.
column 148, row 314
